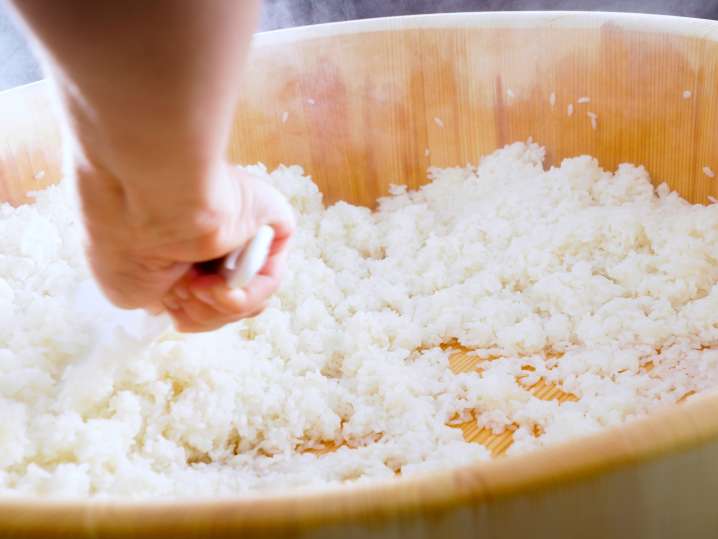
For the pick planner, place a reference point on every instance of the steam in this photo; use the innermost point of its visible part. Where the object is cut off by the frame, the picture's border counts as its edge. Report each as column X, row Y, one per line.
column 286, row 13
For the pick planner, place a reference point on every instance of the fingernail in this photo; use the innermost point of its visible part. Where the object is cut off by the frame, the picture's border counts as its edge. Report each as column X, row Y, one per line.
column 181, row 292
column 170, row 303
column 238, row 295
column 204, row 295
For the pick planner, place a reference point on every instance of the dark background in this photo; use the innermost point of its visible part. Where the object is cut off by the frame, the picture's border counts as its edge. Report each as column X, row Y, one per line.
column 17, row 65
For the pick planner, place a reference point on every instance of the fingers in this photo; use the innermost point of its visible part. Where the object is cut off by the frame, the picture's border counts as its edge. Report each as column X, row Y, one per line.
column 185, row 324
column 274, row 209
column 206, row 303
column 203, row 302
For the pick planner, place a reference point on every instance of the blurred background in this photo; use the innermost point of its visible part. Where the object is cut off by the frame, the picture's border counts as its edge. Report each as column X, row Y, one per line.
column 17, row 65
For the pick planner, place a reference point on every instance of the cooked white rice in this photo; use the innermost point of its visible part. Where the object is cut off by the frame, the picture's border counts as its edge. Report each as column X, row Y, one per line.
column 588, row 278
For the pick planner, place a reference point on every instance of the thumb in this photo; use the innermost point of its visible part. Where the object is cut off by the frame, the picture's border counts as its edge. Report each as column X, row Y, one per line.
column 272, row 208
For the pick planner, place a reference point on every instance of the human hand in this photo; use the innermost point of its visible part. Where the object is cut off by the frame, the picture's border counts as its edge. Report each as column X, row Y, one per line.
column 146, row 111
column 143, row 246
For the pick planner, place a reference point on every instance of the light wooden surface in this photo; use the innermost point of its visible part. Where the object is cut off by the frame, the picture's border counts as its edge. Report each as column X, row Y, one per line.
column 359, row 105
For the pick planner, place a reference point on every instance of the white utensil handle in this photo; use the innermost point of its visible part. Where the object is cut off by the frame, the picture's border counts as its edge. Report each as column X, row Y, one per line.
column 243, row 264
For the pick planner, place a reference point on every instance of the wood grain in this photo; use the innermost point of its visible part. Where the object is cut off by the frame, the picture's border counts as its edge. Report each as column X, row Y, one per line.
column 364, row 102
column 462, row 360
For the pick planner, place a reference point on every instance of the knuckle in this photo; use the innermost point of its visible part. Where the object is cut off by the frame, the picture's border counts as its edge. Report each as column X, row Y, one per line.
column 124, row 302
column 183, row 325
column 211, row 241
column 199, row 233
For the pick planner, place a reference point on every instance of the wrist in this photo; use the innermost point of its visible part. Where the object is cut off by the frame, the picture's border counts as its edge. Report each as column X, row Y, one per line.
column 152, row 162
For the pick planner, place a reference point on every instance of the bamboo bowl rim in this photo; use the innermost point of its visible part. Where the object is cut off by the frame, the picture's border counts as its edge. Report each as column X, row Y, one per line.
column 669, row 430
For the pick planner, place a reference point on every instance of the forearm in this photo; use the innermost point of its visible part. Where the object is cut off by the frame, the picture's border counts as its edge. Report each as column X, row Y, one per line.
column 148, row 87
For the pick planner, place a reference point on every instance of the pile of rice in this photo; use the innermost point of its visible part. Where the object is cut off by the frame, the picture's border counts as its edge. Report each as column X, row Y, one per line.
column 592, row 281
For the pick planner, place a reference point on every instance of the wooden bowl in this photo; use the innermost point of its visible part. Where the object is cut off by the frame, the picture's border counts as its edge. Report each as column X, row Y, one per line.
column 364, row 104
